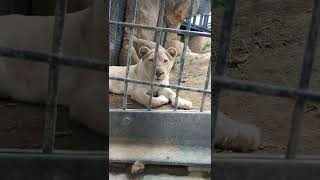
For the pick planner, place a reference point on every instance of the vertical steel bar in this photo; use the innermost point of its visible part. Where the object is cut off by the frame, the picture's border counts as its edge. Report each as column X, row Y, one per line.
column 155, row 58
column 182, row 59
column 110, row 9
column 297, row 114
column 194, row 20
column 205, row 22
column 201, row 20
column 133, row 20
column 57, row 47
column 205, row 87
column 223, row 49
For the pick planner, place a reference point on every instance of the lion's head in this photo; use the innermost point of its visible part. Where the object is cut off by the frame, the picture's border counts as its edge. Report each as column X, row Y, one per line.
column 165, row 61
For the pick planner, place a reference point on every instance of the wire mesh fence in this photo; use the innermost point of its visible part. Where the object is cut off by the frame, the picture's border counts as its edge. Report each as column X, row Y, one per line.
column 118, row 9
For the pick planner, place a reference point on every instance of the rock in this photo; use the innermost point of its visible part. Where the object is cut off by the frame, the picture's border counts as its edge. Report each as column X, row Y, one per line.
column 176, row 11
column 137, row 167
column 147, row 13
column 176, row 44
column 195, row 43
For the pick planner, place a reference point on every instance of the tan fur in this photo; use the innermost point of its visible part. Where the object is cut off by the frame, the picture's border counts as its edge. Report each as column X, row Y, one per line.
column 138, row 43
column 82, row 90
column 143, row 71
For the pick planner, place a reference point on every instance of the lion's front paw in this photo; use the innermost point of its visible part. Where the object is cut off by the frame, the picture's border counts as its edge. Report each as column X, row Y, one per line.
column 183, row 104
column 162, row 100
column 243, row 138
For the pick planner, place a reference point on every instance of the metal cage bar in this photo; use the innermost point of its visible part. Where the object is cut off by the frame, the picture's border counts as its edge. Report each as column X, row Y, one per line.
column 27, row 55
column 297, row 114
column 203, row 98
column 224, row 43
column 155, row 58
column 186, row 41
column 133, row 20
column 147, row 27
column 57, row 47
column 161, row 85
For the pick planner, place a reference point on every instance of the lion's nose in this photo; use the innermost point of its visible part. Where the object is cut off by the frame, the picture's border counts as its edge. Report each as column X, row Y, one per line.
column 159, row 73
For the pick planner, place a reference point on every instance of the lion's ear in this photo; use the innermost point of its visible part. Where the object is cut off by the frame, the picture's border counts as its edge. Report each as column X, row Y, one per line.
column 143, row 51
column 172, row 51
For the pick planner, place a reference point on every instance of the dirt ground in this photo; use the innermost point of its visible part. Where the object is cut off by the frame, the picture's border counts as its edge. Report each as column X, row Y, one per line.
column 271, row 36
column 21, row 127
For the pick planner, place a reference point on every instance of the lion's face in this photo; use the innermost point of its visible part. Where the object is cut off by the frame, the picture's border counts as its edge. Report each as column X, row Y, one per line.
column 165, row 61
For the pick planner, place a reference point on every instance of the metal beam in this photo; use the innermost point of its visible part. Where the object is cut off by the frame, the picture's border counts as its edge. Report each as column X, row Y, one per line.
column 17, row 166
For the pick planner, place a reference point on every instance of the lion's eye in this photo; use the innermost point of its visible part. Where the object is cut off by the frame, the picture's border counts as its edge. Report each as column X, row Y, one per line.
column 150, row 60
column 166, row 61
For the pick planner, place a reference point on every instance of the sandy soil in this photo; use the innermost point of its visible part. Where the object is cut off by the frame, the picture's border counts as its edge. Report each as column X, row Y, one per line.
column 271, row 35
column 22, row 127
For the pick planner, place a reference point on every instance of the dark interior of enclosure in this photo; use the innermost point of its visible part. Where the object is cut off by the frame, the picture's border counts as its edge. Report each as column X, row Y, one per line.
column 39, row 7
column 23, row 123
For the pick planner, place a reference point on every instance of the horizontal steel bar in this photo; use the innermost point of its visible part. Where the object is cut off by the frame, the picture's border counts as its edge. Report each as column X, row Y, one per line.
column 159, row 110
column 52, row 166
column 59, row 152
column 159, row 154
column 161, row 85
column 162, row 126
column 265, row 169
column 260, row 88
column 261, row 156
column 126, row 176
column 190, row 33
column 160, row 137
column 42, row 57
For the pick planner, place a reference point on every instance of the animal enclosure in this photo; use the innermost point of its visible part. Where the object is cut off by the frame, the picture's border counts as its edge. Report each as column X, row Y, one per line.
column 49, row 162
column 171, row 136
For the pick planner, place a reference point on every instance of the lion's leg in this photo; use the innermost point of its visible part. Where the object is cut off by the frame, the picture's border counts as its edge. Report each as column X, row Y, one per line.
column 88, row 104
column 141, row 96
column 234, row 135
column 182, row 103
